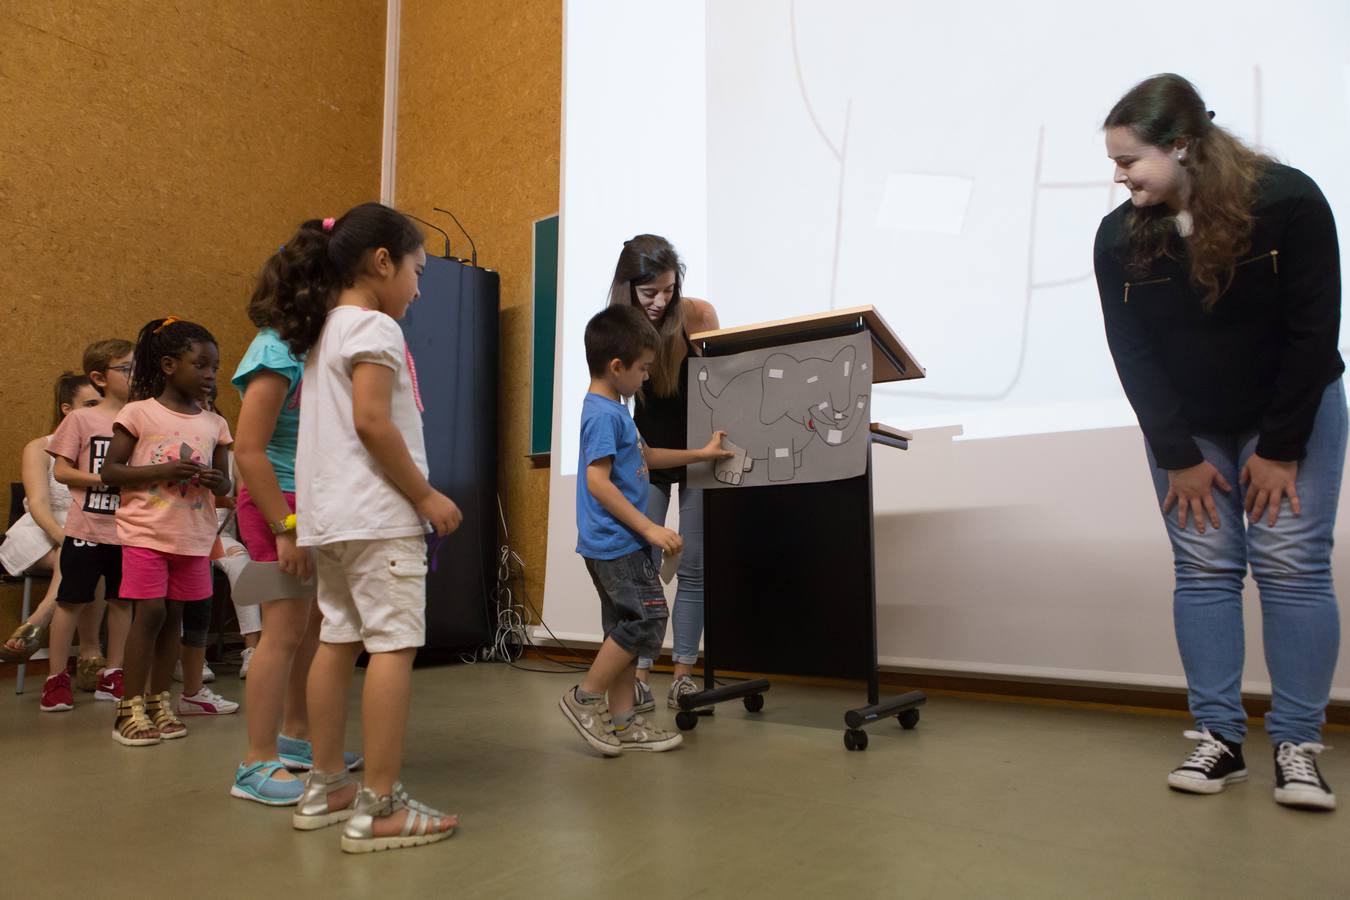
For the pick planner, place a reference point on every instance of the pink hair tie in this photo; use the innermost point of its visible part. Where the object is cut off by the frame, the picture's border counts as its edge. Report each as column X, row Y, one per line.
column 328, row 223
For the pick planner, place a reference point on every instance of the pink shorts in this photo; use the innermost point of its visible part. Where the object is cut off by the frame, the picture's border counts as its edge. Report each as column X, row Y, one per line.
column 254, row 532
column 155, row 575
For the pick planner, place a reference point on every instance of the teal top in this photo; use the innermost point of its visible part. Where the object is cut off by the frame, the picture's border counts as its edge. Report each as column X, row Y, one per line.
column 269, row 351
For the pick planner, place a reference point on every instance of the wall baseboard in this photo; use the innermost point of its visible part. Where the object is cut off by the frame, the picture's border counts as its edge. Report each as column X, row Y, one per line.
column 1129, row 699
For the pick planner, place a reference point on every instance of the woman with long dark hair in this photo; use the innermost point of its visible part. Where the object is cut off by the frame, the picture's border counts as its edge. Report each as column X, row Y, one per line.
column 650, row 276
column 1220, row 289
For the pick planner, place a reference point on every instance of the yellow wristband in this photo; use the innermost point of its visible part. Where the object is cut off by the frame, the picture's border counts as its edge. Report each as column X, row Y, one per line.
column 290, row 522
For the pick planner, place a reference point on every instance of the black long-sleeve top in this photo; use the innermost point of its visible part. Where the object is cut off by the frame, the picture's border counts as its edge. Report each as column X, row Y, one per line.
column 1260, row 359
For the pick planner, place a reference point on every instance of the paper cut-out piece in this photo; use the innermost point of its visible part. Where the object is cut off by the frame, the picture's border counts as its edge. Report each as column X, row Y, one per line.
column 260, row 582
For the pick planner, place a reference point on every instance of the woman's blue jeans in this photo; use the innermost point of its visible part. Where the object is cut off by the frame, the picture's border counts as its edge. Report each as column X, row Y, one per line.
column 687, row 616
column 1291, row 563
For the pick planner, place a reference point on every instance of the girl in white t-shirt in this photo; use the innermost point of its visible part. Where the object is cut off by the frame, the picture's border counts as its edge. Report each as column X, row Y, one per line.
column 362, row 506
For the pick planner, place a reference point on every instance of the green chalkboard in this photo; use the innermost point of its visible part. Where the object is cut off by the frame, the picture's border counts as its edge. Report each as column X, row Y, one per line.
column 545, row 331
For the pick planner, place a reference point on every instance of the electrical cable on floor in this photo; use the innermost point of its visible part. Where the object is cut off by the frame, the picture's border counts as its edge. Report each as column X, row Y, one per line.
column 512, row 635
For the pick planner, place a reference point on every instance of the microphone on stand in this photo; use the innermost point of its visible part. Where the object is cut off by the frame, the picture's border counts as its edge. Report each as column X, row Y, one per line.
column 437, row 228
column 473, row 250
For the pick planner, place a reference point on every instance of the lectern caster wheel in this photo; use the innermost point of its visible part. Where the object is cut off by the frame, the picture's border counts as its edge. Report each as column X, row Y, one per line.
column 686, row 720
column 753, row 703
column 909, row 719
column 855, row 739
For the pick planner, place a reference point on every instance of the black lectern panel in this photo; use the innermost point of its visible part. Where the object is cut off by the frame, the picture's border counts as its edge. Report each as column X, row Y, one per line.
column 452, row 333
column 792, row 570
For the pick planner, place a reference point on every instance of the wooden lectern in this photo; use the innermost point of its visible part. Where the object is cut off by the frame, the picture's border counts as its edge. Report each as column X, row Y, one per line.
column 789, row 570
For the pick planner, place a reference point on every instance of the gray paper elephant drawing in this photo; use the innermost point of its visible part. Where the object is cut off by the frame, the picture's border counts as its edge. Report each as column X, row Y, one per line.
column 779, row 409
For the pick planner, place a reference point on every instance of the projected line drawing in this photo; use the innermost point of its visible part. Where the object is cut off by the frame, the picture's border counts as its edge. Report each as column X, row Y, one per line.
column 1032, row 285
column 773, row 412
column 840, row 153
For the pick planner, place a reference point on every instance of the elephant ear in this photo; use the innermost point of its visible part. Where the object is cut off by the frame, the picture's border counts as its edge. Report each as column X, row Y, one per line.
column 782, row 388
column 844, row 361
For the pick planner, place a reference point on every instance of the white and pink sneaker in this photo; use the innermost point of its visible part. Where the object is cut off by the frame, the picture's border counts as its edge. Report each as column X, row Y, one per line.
column 205, row 702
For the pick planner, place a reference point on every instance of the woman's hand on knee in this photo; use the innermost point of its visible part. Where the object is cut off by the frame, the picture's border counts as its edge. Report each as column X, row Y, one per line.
column 1268, row 482
column 1191, row 491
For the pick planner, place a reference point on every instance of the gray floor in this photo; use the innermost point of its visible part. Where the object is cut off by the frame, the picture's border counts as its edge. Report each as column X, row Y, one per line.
column 983, row 799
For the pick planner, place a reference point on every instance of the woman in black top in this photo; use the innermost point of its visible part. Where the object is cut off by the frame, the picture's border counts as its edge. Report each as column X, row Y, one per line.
column 1220, row 289
column 649, row 275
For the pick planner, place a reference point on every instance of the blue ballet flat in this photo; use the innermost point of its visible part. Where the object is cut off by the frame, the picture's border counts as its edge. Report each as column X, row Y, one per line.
column 298, row 755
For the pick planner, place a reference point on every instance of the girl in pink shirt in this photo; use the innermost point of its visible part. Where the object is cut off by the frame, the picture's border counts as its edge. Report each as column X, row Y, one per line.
column 169, row 455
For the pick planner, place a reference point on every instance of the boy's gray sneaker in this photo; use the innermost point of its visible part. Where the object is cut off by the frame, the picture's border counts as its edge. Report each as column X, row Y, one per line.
column 592, row 720
column 643, row 701
column 681, row 687
column 643, row 735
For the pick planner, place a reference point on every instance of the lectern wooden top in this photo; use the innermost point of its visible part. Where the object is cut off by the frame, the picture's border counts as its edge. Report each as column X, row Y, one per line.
column 891, row 359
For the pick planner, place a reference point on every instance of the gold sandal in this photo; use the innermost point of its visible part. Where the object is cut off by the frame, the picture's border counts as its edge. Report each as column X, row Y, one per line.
column 86, row 672
column 160, row 710
column 31, row 635
column 132, row 721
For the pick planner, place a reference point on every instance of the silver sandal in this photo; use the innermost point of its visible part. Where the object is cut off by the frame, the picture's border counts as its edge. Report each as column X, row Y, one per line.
column 418, row 825
column 312, row 812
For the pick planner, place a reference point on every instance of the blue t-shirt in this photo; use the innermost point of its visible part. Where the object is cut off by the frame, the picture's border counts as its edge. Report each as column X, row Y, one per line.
column 608, row 430
column 269, row 351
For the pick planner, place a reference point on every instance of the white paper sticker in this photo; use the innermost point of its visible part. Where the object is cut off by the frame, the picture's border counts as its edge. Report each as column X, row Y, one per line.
column 848, row 364
column 775, row 373
column 782, row 452
column 813, row 379
column 834, row 437
column 824, row 404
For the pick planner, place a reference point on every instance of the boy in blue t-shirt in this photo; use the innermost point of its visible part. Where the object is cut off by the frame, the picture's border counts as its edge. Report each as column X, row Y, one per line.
column 614, row 537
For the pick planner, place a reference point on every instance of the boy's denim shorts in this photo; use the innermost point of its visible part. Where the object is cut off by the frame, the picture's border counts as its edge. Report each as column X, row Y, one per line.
column 632, row 603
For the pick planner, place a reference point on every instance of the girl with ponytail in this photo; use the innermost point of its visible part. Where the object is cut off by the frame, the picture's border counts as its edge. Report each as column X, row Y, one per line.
column 336, row 485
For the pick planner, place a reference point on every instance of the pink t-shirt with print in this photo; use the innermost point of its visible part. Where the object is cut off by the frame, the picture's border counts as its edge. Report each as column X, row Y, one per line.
column 83, row 439
column 172, row 517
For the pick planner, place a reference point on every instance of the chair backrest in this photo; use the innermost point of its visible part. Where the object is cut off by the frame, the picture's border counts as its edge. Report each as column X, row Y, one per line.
column 15, row 503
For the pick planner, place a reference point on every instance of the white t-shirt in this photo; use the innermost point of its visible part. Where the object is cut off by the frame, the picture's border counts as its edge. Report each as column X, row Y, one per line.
column 341, row 494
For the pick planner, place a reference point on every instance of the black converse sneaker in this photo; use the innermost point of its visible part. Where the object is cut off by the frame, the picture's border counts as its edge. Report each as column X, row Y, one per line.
column 1298, row 782
column 1214, row 764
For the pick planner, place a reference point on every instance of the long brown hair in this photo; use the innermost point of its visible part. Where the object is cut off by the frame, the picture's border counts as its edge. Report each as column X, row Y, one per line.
column 1223, row 174
column 644, row 259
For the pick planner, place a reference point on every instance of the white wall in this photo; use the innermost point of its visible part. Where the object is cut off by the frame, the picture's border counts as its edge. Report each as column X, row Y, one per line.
column 1039, row 556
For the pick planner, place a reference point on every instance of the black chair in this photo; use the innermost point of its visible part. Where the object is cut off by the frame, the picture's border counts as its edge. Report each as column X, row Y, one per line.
column 16, row 496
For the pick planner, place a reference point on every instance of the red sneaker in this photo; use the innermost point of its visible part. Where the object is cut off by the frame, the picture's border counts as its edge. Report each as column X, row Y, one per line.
column 56, row 694
column 109, row 685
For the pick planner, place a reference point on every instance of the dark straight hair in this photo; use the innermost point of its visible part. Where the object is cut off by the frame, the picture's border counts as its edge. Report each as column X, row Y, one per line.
column 68, row 384
column 642, row 260
column 299, row 282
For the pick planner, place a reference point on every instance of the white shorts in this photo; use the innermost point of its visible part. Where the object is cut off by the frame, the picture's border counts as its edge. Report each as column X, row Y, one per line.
column 373, row 592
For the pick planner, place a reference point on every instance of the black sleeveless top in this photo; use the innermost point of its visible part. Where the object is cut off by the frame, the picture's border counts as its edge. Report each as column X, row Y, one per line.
column 663, row 421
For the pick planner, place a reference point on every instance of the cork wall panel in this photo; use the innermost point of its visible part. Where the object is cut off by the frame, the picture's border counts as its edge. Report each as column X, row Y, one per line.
column 152, row 156
column 479, row 132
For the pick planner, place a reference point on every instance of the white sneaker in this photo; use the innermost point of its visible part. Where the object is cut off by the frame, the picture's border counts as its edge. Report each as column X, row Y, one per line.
column 681, row 687
column 205, row 702
column 244, row 659
column 1298, row 782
